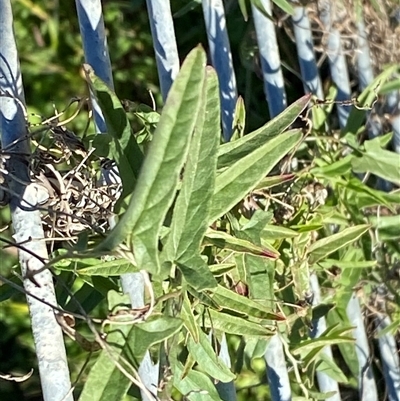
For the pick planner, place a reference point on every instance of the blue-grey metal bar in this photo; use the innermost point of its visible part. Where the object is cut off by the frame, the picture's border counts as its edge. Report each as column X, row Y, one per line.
column 270, row 59
column 27, row 224
column 91, row 23
column 164, row 42
column 221, row 57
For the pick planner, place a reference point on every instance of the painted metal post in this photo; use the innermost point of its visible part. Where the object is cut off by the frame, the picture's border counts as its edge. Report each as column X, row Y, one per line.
column 91, row 22
column 164, row 42
column 274, row 86
column 277, row 374
column 221, row 57
column 27, row 224
column 312, row 84
column 337, row 61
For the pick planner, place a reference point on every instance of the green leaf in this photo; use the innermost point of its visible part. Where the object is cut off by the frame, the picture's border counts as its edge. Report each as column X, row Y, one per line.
column 218, row 269
column 190, row 217
column 390, row 86
column 230, row 300
column 260, row 277
column 208, row 360
column 320, row 342
column 345, row 264
column 273, row 233
column 123, row 148
column 196, row 386
column 159, row 177
column 363, row 194
column 285, row 6
column 365, row 101
column 197, row 274
column 335, row 169
column 105, row 380
column 321, row 310
column 96, row 267
column 223, row 240
column 378, row 161
column 235, row 325
column 388, row 226
column 153, row 331
column 328, row 366
column 241, row 177
column 188, row 318
column 272, row 181
column 325, row 246
column 251, row 230
column 239, row 120
column 243, row 9
column 231, row 152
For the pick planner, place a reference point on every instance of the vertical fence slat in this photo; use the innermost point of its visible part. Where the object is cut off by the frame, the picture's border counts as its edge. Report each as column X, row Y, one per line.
column 312, row 83
column 95, row 47
column 325, row 382
column 164, row 42
column 91, row 24
column 337, row 61
column 270, row 59
column 27, row 225
column 226, row 391
column 221, row 57
column 366, row 383
column 389, row 357
column 306, row 53
column 365, row 77
column 277, row 373
column 340, row 77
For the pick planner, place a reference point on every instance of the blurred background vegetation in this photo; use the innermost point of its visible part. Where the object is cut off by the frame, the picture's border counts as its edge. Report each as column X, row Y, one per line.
column 51, row 55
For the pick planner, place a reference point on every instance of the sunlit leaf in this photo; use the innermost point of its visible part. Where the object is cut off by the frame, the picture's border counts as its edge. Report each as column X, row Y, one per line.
column 208, row 360
column 158, row 181
column 325, row 246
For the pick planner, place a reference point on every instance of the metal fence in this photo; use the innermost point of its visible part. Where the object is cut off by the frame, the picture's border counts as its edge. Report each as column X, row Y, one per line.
column 50, row 350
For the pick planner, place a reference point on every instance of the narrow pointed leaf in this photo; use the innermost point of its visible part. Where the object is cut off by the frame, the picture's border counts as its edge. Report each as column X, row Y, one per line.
column 197, row 273
column 223, row 240
column 378, row 161
column 241, row 177
column 236, row 325
column 196, row 386
column 188, row 318
column 230, row 300
column 159, row 177
column 123, row 149
column 325, row 246
column 233, row 151
column 208, row 360
column 189, row 222
column 105, row 381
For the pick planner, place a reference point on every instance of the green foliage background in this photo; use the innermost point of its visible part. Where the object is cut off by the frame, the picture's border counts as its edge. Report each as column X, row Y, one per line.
column 48, row 39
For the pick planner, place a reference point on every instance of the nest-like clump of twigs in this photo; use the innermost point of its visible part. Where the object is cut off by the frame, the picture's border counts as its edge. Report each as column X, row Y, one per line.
column 77, row 196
